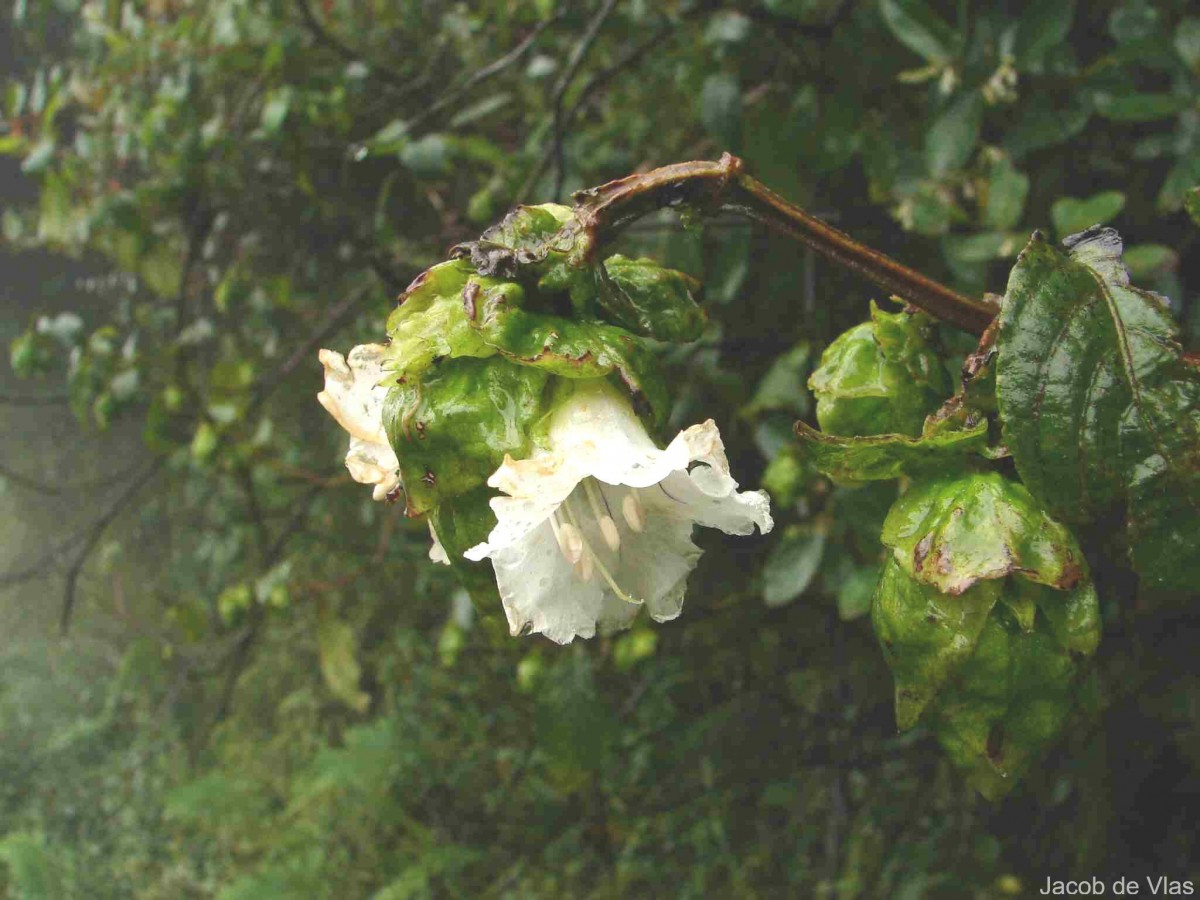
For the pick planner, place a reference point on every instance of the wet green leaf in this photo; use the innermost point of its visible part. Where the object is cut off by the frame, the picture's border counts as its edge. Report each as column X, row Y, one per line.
column 430, row 322
column 1071, row 215
column 880, row 377
column 1010, row 702
column 1100, row 408
column 985, row 613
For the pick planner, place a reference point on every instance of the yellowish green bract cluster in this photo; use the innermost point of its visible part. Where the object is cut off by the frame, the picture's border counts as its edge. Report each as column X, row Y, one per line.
column 985, row 610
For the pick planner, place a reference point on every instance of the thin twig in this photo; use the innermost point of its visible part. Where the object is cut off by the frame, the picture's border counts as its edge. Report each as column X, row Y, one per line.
column 598, row 80
column 578, row 55
column 348, row 53
column 42, row 487
column 93, row 534
column 32, row 400
column 334, row 319
column 707, row 187
column 479, row 76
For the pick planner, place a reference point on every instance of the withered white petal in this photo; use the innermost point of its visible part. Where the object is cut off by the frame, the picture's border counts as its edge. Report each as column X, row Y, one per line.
column 354, row 398
column 600, row 521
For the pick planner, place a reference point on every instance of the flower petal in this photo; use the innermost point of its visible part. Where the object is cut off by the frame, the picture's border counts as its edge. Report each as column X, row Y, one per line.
column 542, row 595
column 375, row 464
column 351, row 394
column 652, row 565
column 597, row 432
column 354, row 398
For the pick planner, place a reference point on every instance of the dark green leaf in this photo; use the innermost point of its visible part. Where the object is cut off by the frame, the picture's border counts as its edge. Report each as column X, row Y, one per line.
column 1042, row 122
column 951, row 140
column 1148, row 260
column 1191, row 202
column 460, row 523
column 721, row 108
column 918, row 27
column 1072, row 216
column 1100, row 408
column 1042, row 27
column 1141, row 107
column 1006, row 192
column 649, row 300
column 855, row 592
column 784, row 387
column 792, row 564
column 1133, row 20
column 1187, row 42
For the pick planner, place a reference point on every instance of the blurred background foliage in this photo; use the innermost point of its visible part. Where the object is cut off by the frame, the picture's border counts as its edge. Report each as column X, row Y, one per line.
column 226, row 672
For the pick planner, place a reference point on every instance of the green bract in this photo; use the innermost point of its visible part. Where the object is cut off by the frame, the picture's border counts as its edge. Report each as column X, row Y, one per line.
column 642, row 296
column 430, row 322
column 954, row 532
column 1100, row 408
column 518, row 241
column 984, row 611
column 452, row 426
column 880, row 377
column 880, row 457
column 566, row 347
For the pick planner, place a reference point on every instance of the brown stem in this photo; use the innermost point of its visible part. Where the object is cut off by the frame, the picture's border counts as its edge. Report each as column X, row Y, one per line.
column 722, row 185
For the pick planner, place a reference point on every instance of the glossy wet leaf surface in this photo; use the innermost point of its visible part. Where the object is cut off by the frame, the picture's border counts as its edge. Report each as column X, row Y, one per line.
column 1100, row 408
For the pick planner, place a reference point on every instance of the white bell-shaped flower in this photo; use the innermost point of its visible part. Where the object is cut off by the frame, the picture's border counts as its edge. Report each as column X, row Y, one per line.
column 599, row 521
column 353, row 396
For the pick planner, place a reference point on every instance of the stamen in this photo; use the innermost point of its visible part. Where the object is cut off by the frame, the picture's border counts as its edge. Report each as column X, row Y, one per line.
column 608, row 528
column 632, row 510
column 572, row 542
column 594, row 560
column 583, row 568
column 564, row 543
